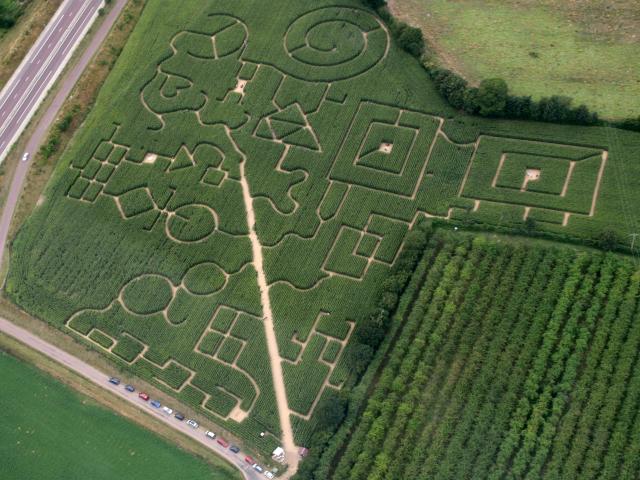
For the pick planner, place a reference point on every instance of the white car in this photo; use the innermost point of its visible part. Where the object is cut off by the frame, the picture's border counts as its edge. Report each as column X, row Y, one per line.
column 192, row 423
column 257, row 468
column 25, row 157
column 268, row 474
column 167, row 410
column 210, row 434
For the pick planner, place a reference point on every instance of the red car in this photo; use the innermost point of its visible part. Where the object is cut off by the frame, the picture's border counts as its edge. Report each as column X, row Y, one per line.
column 223, row 442
column 249, row 460
column 143, row 396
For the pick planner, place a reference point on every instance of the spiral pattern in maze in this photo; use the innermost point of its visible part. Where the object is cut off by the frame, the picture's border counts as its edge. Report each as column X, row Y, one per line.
column 334, row 43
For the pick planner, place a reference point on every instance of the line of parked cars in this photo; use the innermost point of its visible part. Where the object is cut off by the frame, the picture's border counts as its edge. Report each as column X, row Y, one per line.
column 193, row 424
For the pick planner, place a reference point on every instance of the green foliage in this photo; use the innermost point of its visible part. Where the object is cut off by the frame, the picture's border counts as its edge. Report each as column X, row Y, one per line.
column 608, row 240
column 100, row 338
column 376, row 3
column 10, row 10
column 54, row 139
column 204, row 279
column 97, row 441
column 494, row 374
column 491, row 98
column 147, row 294
column 409, row 38
column 143, row 233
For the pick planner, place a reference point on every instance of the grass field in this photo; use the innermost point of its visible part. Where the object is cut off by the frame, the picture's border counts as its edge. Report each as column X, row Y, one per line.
column 50, row 432
column 584, row 49
column 514, row 362
column 227, row 161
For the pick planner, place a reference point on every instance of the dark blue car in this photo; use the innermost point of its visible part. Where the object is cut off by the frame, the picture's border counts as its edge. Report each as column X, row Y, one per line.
column 234, row 448
column 155, row 404
column 129, row 388
column 114, row 380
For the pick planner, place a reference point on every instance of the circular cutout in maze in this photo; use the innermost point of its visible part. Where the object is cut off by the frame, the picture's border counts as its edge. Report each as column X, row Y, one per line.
column 191, row 223
column 147, row 294
column 334, row 43
column 204, row 279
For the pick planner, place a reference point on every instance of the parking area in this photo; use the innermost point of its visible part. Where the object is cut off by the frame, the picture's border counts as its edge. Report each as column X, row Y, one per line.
column 190, row 427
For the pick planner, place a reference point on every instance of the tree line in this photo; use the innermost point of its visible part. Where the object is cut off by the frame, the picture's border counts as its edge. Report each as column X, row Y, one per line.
column 492, row 97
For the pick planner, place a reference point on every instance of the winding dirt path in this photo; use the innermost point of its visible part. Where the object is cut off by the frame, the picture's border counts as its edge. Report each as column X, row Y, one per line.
column 284, row 412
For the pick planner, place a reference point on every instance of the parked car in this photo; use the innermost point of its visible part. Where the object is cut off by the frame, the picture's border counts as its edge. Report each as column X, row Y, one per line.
column 234, row 448
column 257, row 468
column 155, row 404
column 179, row 416
column 114, row 380
column 223, row 442
column 25, row 157
column 269, row 474
column 210, row 434
column 143, row 396
column 249, row 460
column 167, row 410
column 192, row 423
column 129, row 388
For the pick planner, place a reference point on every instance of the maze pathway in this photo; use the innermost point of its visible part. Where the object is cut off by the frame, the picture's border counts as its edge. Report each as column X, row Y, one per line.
column 235, row 209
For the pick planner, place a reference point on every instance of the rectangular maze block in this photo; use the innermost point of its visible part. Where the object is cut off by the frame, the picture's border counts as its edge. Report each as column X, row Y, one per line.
column 535, row 174
column 385, row 149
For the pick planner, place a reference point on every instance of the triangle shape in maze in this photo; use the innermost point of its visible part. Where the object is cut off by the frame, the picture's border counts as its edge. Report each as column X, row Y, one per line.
column 182, row 160
column 264, row 130
column 292, row 114
column 302, row 138
column 290, row 126
column 282, row 129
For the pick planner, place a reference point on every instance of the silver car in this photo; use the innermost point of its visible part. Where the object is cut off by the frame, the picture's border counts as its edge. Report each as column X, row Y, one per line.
column 192, row 423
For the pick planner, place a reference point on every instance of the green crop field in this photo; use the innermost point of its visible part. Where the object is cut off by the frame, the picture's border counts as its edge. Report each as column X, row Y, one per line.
column 514, row 362
column 241, row 189
column 49, row 432
column 586, row 50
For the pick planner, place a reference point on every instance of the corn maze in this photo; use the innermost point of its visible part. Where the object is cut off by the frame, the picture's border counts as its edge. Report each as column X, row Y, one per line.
column 223, row 219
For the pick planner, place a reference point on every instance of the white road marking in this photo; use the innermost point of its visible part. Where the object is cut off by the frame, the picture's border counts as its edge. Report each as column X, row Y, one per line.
column 36, row 89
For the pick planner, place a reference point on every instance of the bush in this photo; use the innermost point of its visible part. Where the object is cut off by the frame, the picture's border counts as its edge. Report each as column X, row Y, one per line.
column 410, row 39
column 451, row 86
column 608, row 240
column 491, row 97
column 10, row 10
column 518, row 107
column 629, row 124
column 375, row 4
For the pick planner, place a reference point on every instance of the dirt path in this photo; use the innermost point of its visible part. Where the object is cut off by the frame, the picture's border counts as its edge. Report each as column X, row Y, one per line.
column 284, row 412
column 596, row 192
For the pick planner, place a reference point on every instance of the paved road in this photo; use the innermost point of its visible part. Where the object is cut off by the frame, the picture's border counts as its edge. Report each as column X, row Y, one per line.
column 12, row 112
column 101, row 379
column 41, row 67
column 66, row 85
